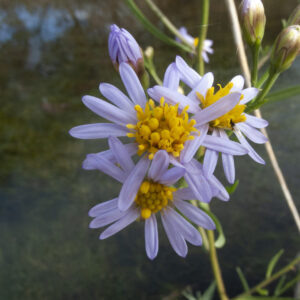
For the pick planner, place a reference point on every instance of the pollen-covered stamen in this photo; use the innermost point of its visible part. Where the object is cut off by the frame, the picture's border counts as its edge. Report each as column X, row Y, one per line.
column 153, row 197
column 161, row 127
column 232, row 117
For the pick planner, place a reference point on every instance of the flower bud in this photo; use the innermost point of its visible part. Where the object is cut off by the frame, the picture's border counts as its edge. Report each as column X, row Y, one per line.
column 253, row 20
column 294, row 18
column 286, row 48
column 122, row 47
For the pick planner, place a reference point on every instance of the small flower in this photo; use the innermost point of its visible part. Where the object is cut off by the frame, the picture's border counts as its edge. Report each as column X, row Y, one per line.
column 204, row 100
column 122, row 47
column 253, row 20
column 207, row 47
column 146, row 192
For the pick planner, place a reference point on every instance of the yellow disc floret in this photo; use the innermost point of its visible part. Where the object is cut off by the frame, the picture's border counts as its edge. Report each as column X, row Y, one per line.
column 161, row 127
column 153, row 197
column 232, row 117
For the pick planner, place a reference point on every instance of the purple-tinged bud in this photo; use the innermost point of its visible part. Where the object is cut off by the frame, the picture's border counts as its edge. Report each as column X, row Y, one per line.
column 253, row 21
column 286, row 48
column 294, row 18
column 122, row 47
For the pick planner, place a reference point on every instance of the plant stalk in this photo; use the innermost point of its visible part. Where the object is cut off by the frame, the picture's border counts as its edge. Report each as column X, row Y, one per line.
column 255, row 56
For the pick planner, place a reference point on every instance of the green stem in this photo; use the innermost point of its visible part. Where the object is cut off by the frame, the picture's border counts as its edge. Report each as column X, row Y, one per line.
column 152, row 71
column 260, row 100
column 215, row 265
column 264, row 283
column 167, row 22
column 255, row 55
column 262, row 79
column 202, row 34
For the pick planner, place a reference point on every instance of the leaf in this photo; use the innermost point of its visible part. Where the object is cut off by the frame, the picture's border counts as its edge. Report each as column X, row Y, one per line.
column 231, row 188
column 289, row 284
column 279, row 286
column 154, row 30
column 263, row 292
column 284, row 94
column 209, row 293
column 221, row 240
column 263, row 298
column 243, row 279
column 273, row 263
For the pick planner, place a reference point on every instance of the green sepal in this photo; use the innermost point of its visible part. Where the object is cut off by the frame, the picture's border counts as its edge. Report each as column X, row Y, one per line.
column 231, row 188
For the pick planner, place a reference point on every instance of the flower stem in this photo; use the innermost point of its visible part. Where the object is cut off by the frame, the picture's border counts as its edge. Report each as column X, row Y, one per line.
column 260, row 100
column 202, row 34
column 262, row 79
column 215, row 265
column 255, row 55
column 264, row 283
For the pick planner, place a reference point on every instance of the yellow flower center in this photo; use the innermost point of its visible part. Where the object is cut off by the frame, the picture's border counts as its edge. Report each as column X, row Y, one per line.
column 153, row 197
column 161, row 128
column 232, row 117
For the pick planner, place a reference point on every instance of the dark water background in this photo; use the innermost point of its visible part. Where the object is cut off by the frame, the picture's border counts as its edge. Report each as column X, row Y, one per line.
column 52, row 53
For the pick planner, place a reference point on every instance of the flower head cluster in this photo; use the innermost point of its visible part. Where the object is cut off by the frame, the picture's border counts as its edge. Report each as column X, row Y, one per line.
column 166, row 130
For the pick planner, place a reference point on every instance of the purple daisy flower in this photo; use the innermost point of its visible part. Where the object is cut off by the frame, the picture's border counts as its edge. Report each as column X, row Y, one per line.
column 148, row 190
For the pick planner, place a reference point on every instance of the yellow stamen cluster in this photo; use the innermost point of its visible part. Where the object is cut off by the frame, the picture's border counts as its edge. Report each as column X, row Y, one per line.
column 161, row 128
column 232, row 117
column 153, row 197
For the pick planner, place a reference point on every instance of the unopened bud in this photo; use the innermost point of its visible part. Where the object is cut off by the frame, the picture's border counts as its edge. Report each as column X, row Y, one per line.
column 253, row 20
column 122, row 47
column 294, row 18
column 149, row 52
column 286, row 48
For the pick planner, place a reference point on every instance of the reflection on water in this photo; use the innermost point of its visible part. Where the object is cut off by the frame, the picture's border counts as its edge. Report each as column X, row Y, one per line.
column 51, row 53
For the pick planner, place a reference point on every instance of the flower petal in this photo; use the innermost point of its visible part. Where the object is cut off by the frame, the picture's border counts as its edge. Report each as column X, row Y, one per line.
column 132, row 84
column 98, row 131
column 229, row 168
column 195, row 214
column 256, row 122
column 159, row 165
column 249, row 94
column 171, row 78
column 221, row 191
column 251, row 133
column 130, row 217
column 103, row 207
column 238, row 83
column 172, row 175
column 210, row 162
column 151, row 237
column 107, row 218
column 217, row 109
column 184, row 194
column 132, row 184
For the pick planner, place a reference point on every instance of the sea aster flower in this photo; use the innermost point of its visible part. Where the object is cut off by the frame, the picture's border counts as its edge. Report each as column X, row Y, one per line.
column 122, row 47
column 203, row 97
column 207, row 47
column 146, row 192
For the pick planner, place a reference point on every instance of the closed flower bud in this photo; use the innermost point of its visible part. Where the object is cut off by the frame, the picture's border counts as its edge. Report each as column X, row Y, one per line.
column 294, row 19
column 253, row 20
column 123, row 47
column 286, row 48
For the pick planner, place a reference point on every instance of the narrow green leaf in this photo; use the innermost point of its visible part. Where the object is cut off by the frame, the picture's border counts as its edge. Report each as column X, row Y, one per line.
column 154, row 30
column 243, row 279
column 284, row 94
column 289, row 284
column 221, row 240
column 231, row 188
column 263, row 298
column 279, row 286
column 263, row 292
column 210, row 291
column 273, row 263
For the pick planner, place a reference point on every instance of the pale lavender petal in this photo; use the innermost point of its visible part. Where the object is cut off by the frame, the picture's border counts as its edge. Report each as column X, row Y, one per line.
column 98, row 131
column 132, row 84
column 252, row 152
column 132, row 184
column 204, row 84
column 192, row 146
column 184, row 194
column 256, row 122
column 171, row 78
column 173, row 97
column 115, row 96
column 176, row 240
column 103, row 207
column 205, row 56
column 107, row 218
column 238, row 83
column 108, row 111
column 159, row 165
column 195, row 214
column 122, row 156
column 223, row 145
column 219, row 186
column 210, row 162
column 217, row 109
column 184, row 228
column 171, row 176
column 249, row 94
column 251, row 133
column 130, row 217
column 151, row 237
column 229, row 168
column 187, row 74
